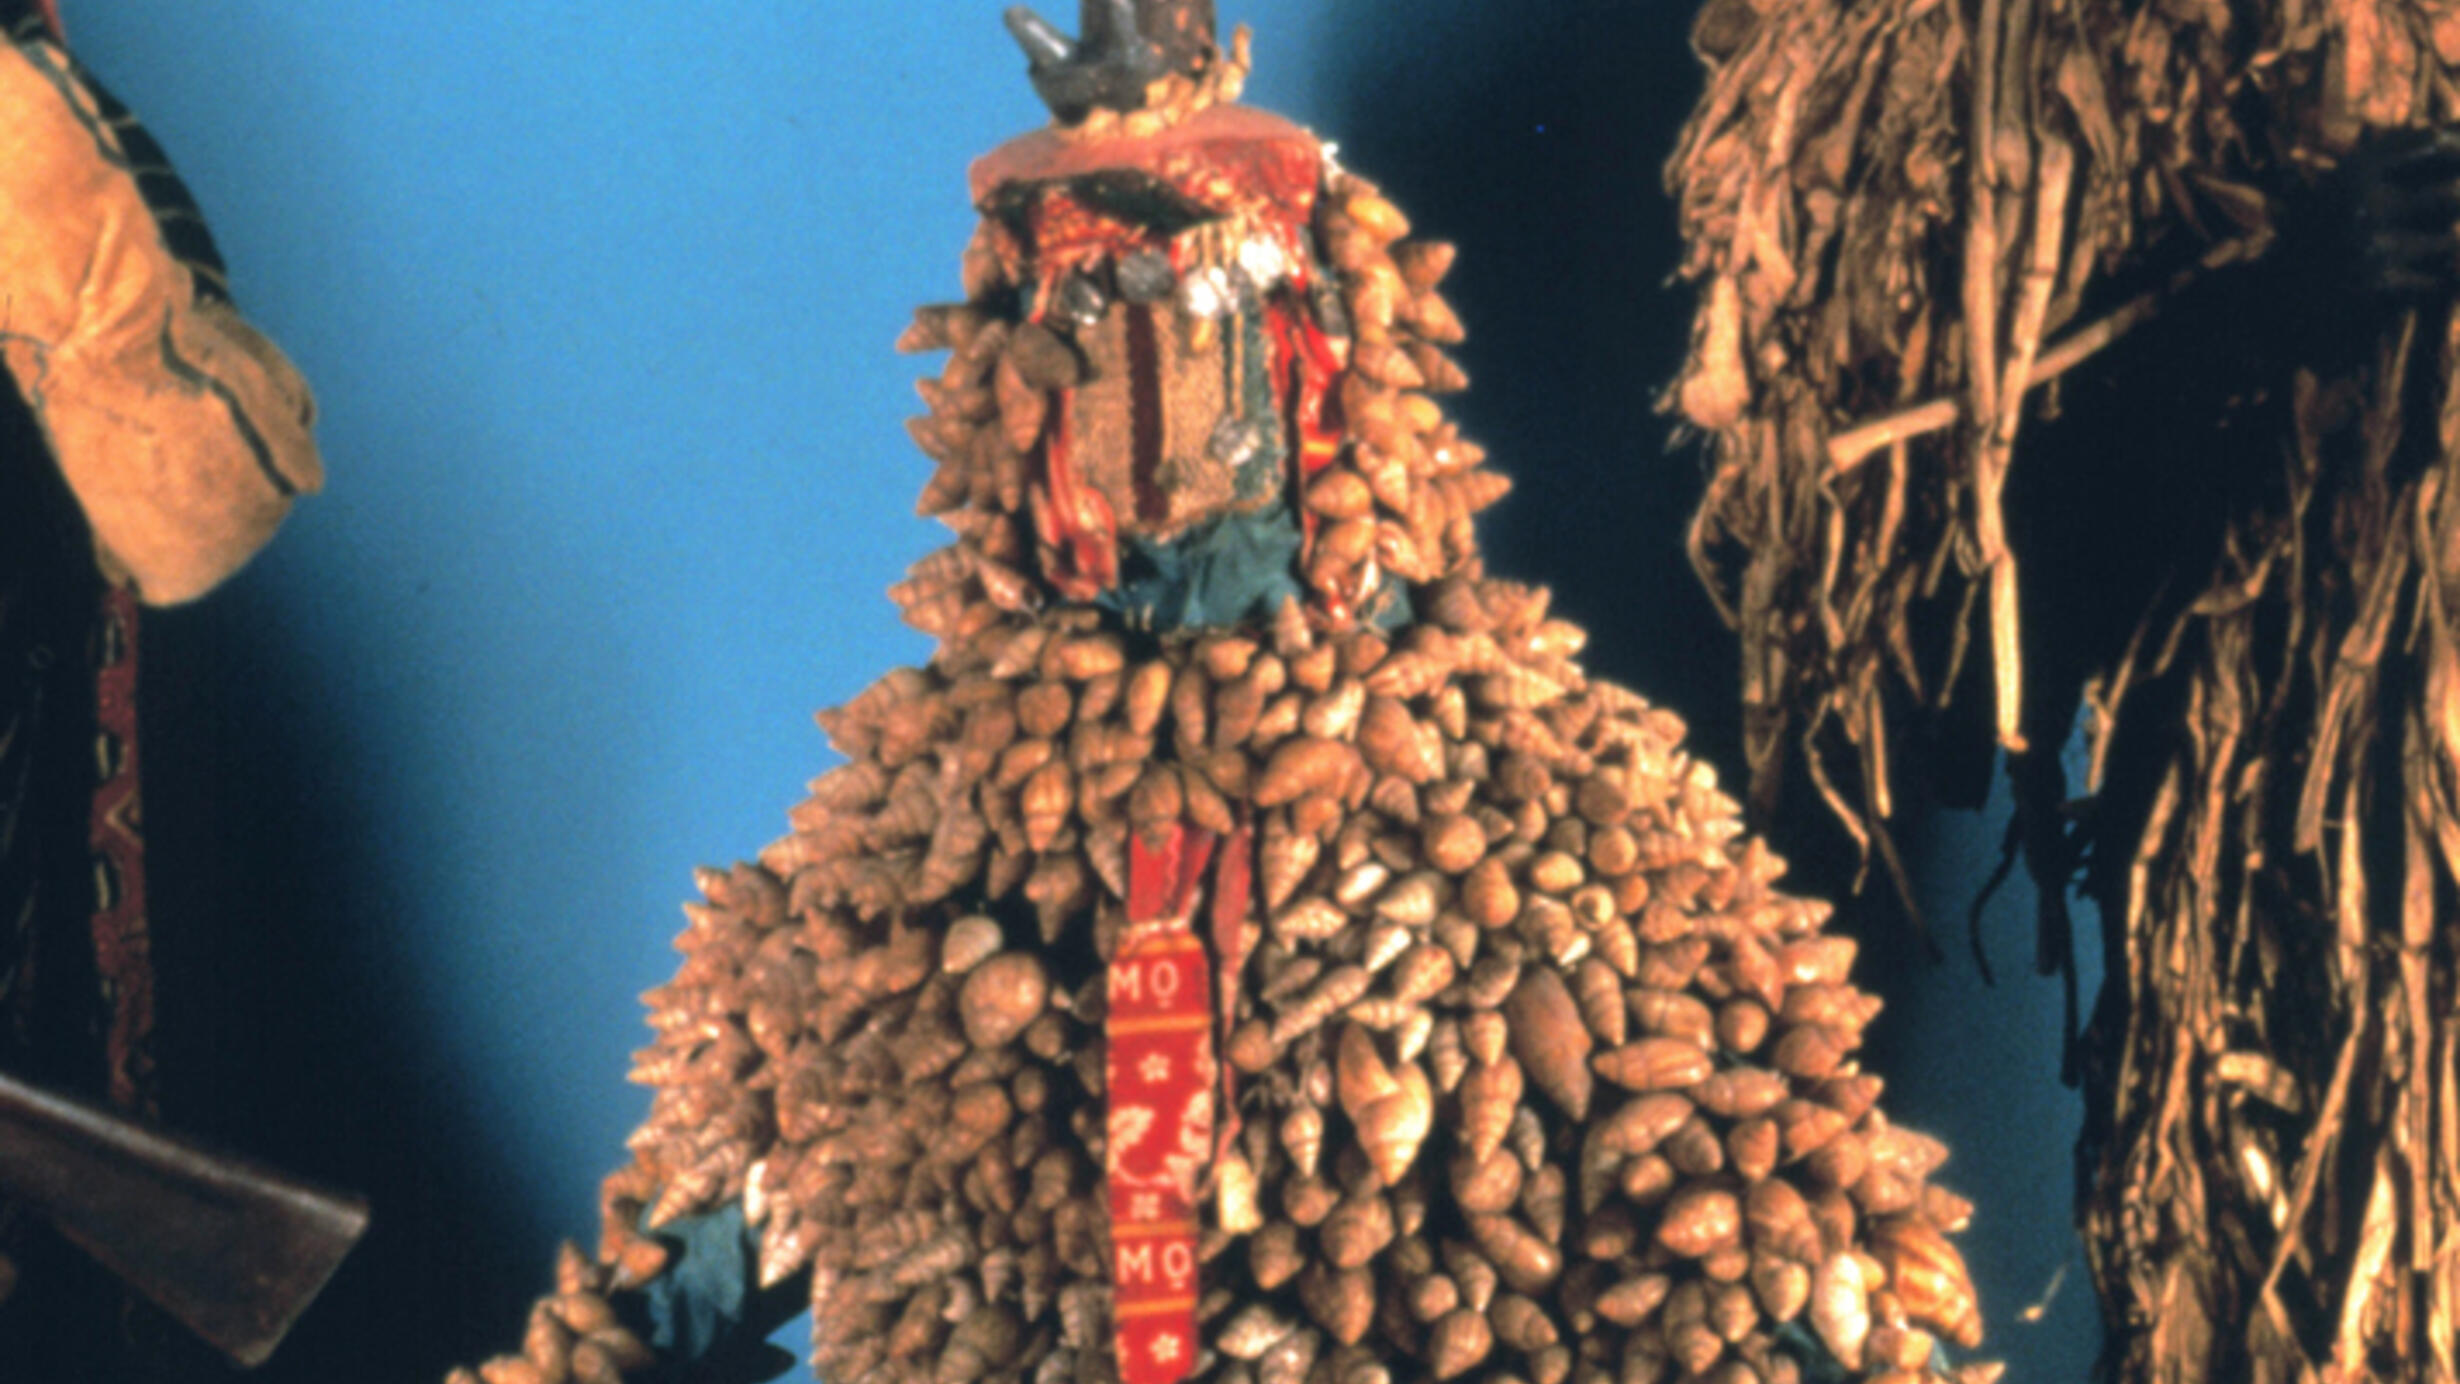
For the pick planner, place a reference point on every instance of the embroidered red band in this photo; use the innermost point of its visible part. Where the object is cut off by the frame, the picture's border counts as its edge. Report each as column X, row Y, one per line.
column 1161, row 1075
column 123, row 941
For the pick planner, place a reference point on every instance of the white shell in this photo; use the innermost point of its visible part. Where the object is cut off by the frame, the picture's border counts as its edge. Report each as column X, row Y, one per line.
column 1841, row 1307
column 971, row 941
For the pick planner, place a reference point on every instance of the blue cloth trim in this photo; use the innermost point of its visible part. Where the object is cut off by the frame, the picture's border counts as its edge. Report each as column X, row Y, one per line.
column 706, row 1290
column 1237, row 568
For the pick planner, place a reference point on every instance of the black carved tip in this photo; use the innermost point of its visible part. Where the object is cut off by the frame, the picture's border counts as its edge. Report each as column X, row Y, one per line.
column 1109, row 70
column 1044, row 44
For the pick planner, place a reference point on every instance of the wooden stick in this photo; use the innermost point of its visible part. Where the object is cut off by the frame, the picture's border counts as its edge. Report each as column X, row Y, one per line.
column 1183, row 29
column 1849, row 449
column 1981, row 247
column 2053, row 169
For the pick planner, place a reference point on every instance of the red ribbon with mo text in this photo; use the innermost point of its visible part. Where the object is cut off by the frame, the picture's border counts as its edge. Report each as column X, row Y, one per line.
column 1165, row 1088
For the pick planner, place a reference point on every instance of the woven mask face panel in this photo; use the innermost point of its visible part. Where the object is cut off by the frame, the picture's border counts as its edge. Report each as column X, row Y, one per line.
column 1170, row 291
column 1179, row 419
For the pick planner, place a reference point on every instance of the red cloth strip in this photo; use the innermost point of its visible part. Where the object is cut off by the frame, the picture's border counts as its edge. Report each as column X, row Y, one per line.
column 1079, row 532
column 1161, row 1080
column 1146, row 414
column 123, row 940
column 1312, row 408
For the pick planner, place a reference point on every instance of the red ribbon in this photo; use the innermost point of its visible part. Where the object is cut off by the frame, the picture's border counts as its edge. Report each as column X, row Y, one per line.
column 1164, row 1090
column 1306, row 370
column 123, row 940
column 1078, row 530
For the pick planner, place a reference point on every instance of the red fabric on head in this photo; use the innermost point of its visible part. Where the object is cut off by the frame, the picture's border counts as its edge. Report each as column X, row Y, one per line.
column 1222, row 161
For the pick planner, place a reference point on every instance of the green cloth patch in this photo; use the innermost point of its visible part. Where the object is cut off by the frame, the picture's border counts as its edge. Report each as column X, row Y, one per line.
column 705, row 1315
column 1237, row 568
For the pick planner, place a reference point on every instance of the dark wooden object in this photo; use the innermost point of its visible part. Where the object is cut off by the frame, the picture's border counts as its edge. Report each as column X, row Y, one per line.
column 1122, row 46
column 234, row 1251
column 1182, row 29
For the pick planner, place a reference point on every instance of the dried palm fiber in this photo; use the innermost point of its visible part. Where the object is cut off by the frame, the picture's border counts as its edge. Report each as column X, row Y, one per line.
column 1537, row 1075
column 1905, row 215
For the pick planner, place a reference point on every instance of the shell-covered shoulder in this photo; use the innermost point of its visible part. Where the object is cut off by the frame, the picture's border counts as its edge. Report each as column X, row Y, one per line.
column 1638, row 1123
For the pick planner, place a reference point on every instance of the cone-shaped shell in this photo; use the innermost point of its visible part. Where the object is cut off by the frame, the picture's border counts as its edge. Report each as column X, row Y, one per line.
column 1490, row 1096
column 1393, row 1129
column 1840, row 1307
column 1551, row 1040
column 1928, row 1277
column 1364, row 1079
column 1458, row 1343
column 1342, row 1301
column 1699, row 1218
column 1655, row 1064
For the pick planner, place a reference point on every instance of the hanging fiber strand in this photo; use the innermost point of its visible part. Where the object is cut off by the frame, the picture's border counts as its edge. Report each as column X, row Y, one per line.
column 1913, row 223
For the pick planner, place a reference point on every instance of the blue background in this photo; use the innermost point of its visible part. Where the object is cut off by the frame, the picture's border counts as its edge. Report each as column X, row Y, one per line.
column 598, row 301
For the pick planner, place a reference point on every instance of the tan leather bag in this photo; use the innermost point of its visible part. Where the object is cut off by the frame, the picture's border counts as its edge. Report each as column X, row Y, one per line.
column 181, row 430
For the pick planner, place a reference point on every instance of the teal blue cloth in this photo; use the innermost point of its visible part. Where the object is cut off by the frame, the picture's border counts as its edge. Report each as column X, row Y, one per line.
column 1819, row 1366
column 1235, row 569
column 706, row 1315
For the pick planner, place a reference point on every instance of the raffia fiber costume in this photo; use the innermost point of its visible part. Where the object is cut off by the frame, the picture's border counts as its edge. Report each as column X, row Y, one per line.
column 2238, row 540
column 1251, row 948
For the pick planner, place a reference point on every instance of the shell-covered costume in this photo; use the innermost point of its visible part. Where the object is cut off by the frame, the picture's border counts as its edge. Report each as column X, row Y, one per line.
column 1505, row 1060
